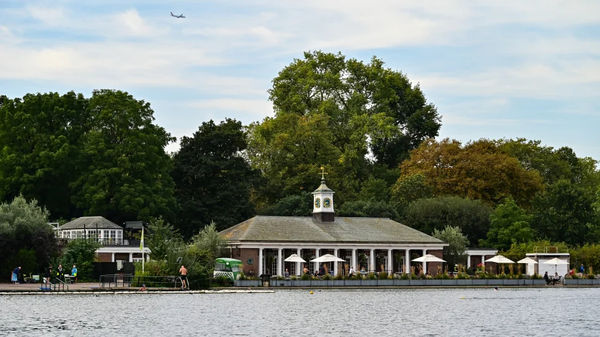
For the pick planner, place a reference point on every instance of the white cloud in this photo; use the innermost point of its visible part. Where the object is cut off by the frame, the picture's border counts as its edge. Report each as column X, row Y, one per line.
column 132, row 23
column 52, row 16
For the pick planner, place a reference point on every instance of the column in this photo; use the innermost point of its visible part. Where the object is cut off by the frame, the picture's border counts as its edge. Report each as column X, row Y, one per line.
column 335, row 264
column 130, row 257
column 316, row 256
column 298, row 264
column 424, row 263
column 279, row 262
column 407, row 261
column 372, row 261
column 483, row 261
column 112, row 258
column 260, row 262
column 390, row 265
column 354, row 260
column 468, row 261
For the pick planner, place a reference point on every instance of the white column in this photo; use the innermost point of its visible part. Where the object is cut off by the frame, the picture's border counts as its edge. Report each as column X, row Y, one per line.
column 298, row 264
column 372, row 261
column 407, row 261
column 390, row 266
column 130, row 257
column 354, row 260
column 468, row 261
column 483, row 261
column 316, row 256
column 112, row 258
column 424, row 263
column 260, row 261
column 279, row 262
column 335, row 264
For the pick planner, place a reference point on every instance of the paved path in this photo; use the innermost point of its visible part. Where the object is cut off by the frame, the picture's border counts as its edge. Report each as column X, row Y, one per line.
column 82, row 286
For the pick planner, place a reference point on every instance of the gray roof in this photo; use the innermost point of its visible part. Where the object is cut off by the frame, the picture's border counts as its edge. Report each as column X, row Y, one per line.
column 323, row 188
column 343, row 229
column 90, row 222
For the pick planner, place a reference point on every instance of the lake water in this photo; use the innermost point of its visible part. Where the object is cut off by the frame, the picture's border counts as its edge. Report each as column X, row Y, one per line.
column 392, row 312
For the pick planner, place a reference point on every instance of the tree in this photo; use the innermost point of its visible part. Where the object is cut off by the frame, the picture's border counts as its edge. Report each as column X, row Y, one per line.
column 345, row 114
column 509, row 224
column 125, row 172
column 471, row 216
column 457, row 243
column 213, row 179
column 24, row 229
column 80, row 252
column 292, row 205
column 41, row 137
column 477, row 170
column 210, row 241
column 370, row 208
column 162, row 237
column 565, row 212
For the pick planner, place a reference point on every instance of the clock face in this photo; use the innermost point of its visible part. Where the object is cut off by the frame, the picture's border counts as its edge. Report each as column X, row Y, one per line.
column 317, row 203
column 326, row 203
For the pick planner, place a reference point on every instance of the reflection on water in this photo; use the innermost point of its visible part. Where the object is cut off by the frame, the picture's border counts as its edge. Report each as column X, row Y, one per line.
column 392, row 312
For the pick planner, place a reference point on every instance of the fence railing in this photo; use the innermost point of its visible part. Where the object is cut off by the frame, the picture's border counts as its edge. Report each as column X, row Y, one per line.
column 129, row 280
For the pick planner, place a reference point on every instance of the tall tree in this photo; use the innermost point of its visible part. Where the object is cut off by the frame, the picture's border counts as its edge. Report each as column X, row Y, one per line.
column 477, row 170
column 345, row 114
column 40, row 144
column 457, row 243
column 213, row 178
column 125, row 172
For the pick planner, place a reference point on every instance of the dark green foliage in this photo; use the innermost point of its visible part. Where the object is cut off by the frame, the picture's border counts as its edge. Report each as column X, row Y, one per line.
column 509, row 224
column 25, row 237
column 125, row 170
column 565, row 213
column 41, row 140
column 292, row 205
column 471, row 216
column 377, row 209
column 213, row 180
column 80, row 252
column 161, row 238
column 457, row 244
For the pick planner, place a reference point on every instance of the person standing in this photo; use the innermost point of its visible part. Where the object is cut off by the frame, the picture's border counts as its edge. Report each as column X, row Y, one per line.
column 184, row 281
column 74, row 273
column 15, row 275
column 60, row 273
column 581, row 268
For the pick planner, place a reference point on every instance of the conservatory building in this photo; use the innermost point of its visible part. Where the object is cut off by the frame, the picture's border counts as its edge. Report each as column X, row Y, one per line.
column 366, row 244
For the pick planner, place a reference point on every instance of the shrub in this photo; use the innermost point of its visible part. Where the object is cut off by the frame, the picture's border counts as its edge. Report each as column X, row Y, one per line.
column 383, row 275
column 221, row 281
column 306, row 277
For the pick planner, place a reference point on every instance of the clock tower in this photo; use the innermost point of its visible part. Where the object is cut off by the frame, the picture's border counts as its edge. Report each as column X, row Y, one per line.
column 323, row 201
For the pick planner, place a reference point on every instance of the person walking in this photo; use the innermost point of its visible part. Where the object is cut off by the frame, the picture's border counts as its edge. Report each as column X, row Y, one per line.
column 60, row 273
column 15, row 275
column 184, row 281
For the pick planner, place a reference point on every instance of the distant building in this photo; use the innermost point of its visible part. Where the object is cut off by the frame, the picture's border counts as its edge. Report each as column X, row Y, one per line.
column 116, row 243
column 364, row 243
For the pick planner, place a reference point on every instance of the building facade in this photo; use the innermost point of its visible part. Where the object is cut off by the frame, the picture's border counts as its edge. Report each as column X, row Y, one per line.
column 366, row 244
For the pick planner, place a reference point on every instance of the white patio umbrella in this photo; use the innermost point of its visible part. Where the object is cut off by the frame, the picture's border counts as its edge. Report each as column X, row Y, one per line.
column 555, row 261
column 499, row 259
column 294, row 258
column 527, row 260
column 428, row 258
column 327, row 258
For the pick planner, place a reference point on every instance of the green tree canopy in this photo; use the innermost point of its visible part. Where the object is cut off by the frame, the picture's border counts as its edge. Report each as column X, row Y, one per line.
column 345, row 114
column 213, row 179
column 457, row 243
column 40, row 146
column 24, row 230
column 565, row 213
column 162, row 237
column 471, row 216
column 125, row 170
column 508, row 224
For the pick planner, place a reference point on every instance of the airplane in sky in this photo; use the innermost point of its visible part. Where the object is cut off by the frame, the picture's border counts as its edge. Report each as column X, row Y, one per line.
column 180, row 16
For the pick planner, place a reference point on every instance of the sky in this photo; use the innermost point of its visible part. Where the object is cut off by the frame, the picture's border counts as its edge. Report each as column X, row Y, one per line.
column 494, row 69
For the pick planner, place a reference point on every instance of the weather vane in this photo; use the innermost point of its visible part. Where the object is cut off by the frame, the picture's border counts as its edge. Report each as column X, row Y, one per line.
column 323, row 173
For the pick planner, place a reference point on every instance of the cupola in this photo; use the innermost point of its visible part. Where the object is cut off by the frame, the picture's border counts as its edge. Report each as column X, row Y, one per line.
column 323, row 201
